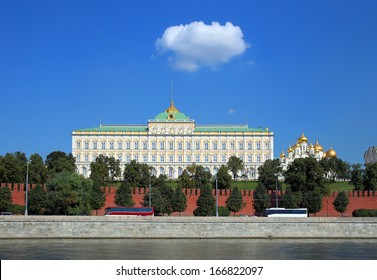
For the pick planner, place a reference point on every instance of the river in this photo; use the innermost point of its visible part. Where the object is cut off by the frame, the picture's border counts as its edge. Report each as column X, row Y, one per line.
column 187, row 249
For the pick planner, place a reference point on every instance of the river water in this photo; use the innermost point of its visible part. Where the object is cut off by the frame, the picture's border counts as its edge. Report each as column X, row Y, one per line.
column 187, row 249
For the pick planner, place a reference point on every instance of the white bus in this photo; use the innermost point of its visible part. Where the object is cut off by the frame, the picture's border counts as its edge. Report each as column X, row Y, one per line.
column 283, row 212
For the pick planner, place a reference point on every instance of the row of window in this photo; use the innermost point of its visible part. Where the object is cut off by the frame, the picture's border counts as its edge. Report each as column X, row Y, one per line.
column 170, row 145
column 170, row 158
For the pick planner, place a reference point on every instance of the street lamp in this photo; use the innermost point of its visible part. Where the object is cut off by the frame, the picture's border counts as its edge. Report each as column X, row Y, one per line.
column 217, row 197
column 150, row 188
column 276, row 192
column 27, row 182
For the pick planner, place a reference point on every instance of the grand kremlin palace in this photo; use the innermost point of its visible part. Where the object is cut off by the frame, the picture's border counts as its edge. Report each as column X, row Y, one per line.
column 172, row 141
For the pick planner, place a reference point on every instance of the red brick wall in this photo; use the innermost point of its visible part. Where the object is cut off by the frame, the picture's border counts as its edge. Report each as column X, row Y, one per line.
column 357, row 200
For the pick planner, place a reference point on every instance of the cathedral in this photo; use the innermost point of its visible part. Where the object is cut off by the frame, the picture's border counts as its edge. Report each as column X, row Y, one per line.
column 171, row 141
column 302, row 150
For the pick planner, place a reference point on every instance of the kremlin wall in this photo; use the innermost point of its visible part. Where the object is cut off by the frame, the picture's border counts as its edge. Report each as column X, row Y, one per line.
column 366, row 200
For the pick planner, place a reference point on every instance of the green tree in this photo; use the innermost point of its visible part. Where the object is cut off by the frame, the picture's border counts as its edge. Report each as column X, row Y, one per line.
column 59, row 161
column 179, row 201
column 68, row 194
column 205, row 203
column 261, row 199
column 235, row 165
column 13, row 168
column 194, row 176
column 104, row 169
column 269, row 172
column 123, row 195
column 185, row 181
column 313, row 201
column 357, row 177
column 341, row 202
column 234, row 201
column 37, row 200
column 290, row 199
column 305, row 175
column 37, row 170
column 5, row 199
column 224, row 180
column 137, row 174
column 157, row 202
column 370, row 177
column 97, row 197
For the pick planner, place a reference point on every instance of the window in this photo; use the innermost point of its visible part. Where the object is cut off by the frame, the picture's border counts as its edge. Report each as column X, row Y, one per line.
column 145, row 145
column 154, row 145
column 197, row 158
column 145, row 158
column 136, row 145
column 120, row 158
column 197, row 146
column 258, row 146
column 136, row 157
column 86, row 158
column 180, row 146
column 258, row 158
column 86, row 145
column 78, row 145
column 206, row 146
column 171, row 158
column 162, row 145
column 179, row 158
column 153, row 158
column 171, row 172
column 162, row 171
column 267, row 145
column 232, row 145
column 119, row 145
column 215, row 158
column 128, row 145
column 249, row 158
column 103, row 145
column 214, row 145
column 95, row 145
column 171, row 145
column 241, row 157
column 78, row 158
column 206, row 158
column 111, row 145
column 162, row 158
column 223, row 146
column 188, row 145
column 188, row 158
column 249, row 146
column 240, row 145
column 84, row 171
column 128, row 158
column 180, row 171
column 223, row 158
column 94, row 157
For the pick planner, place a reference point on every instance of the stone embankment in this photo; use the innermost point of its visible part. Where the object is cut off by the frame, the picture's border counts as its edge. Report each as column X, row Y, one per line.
column 185, row 227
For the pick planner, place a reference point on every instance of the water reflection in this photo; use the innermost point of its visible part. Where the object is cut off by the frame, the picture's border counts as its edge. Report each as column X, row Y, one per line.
column 188, row 249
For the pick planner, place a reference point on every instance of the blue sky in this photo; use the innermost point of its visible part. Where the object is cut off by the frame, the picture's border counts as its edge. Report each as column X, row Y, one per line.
column 291, row 66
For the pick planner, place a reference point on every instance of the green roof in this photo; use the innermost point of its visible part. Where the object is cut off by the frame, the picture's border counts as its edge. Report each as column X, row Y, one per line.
column 115, row 128
column 171, row 117
column 230, row 128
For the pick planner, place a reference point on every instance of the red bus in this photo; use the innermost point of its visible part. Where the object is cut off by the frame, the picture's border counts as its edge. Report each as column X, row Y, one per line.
column 129, row 211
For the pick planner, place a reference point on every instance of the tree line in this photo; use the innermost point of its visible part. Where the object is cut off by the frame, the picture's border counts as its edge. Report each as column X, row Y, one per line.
column 68, row 193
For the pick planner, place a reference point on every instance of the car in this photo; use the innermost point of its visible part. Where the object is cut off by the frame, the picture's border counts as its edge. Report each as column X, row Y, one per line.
column 6, row 214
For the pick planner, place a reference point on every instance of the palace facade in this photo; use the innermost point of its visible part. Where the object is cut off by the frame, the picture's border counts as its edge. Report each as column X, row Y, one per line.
column 172, row 141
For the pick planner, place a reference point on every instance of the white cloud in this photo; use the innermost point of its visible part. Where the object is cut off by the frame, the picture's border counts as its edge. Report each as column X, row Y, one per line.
column 197, row 44
column 231, row 111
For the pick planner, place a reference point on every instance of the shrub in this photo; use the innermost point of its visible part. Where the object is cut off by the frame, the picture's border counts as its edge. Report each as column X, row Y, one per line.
column 364, row 213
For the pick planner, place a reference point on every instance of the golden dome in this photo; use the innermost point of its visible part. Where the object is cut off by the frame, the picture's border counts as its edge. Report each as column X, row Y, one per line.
column 171, row 109
column 330, row 153
column 317, row 147
column 282, row 155
column 302, row 138
column 290, row 150
column 311, row 146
